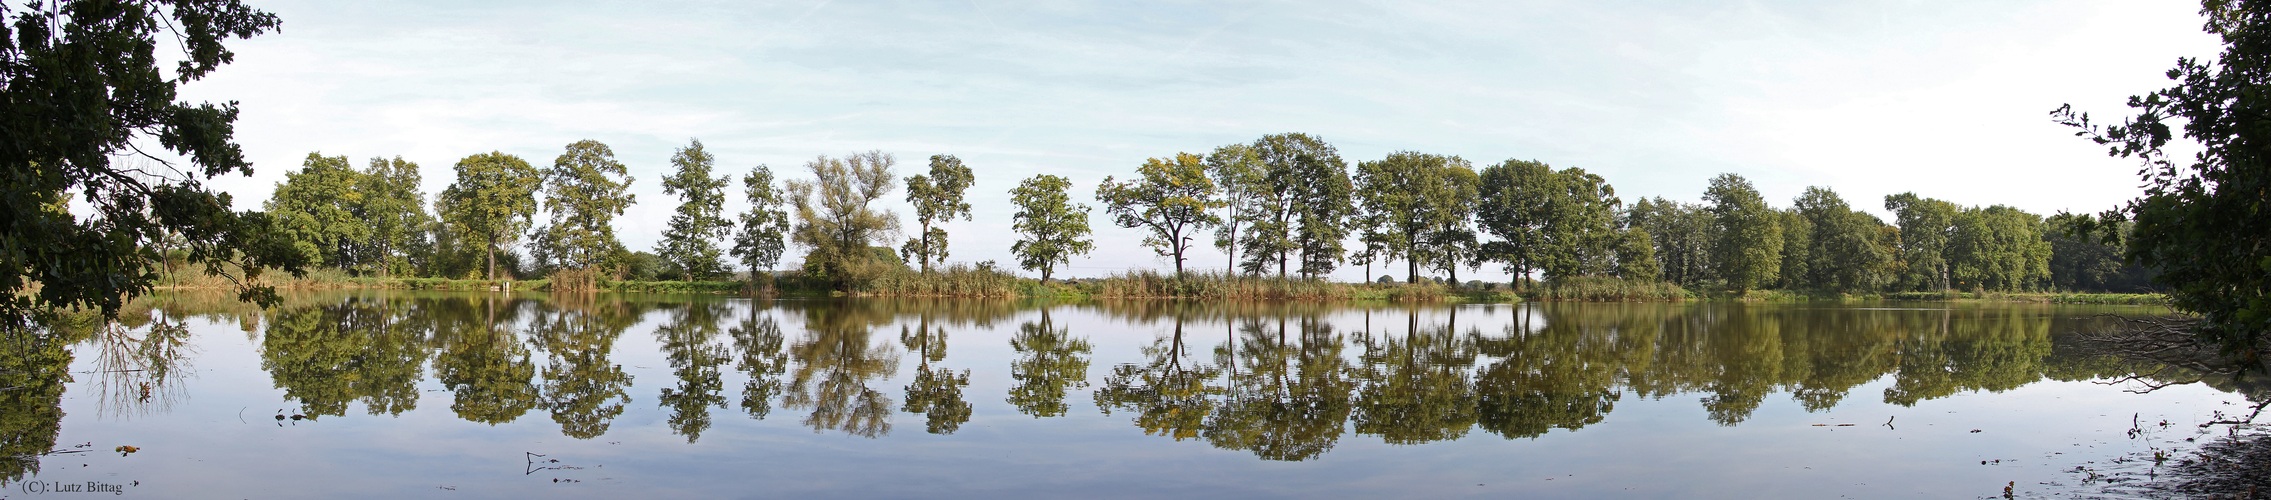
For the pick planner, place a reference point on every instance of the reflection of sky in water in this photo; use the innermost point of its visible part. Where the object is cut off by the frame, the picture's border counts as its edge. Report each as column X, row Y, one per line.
column 220, row 438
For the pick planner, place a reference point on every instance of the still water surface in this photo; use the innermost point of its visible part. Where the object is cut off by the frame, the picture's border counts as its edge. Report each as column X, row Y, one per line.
column 390, row 395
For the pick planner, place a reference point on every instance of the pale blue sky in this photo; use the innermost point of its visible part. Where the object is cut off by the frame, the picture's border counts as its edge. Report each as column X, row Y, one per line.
column 1948, row 99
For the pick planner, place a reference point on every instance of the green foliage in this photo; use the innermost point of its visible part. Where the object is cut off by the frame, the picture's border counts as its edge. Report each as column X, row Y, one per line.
column 395, row 209
column 958, row 280
column 1515, row 204
column 1419, row 208
column 1998, row 249
column 2204, row 225
column 1580, row 225
column 1049, row 362
column 1051, row 228
column 1926, row 225
column 1302, row 206
column 320, row 208
column 585, row 190
column 937, row 198
column 1236, row 169
column 836, row 221
column 1172, row 199
column 492, row 202
column 80, row 88
column 1748, row 251
column 1682, row 233
column 765, row 227
column 1846, row 250
column 2083, row 261
column 1606, row 289
column 689, row 244
column 1636, row 257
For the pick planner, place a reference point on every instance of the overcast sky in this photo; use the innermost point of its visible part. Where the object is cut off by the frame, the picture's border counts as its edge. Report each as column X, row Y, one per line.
column 1947, row 99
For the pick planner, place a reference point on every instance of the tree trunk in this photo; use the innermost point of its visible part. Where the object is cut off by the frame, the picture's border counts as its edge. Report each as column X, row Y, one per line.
column 492, row 253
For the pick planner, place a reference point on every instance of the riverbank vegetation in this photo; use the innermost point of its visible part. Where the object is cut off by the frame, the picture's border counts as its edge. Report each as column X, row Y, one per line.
column 1285, row 209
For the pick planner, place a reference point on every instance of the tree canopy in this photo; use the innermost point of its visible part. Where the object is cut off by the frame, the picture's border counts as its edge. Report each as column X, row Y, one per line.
column 689, row 243
column 937, row 197
column 1051, row 228
column 584, row 190
column 80, row 87
column 1171, row 199
column 492, row 202
column 836, row 220
column 2203, row 223
column 765, row 226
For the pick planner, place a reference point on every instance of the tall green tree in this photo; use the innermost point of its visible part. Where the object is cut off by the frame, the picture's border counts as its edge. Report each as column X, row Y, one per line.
column 836, row 220
column 1682, row 234
column 320, row 207
column 937, row 197
column 1998, row 248
column 1305, row 203
column 1415, row 202
column 1797, row 245
column 2081, row 261
column 765, row 227
column 1846, row 251
column 584, row 190
column 1580, row 231
column 1925, row 226
column 1051, row 227
column 395, row 208
column 1749, row 249
column 1236, row 170
column 1514, row 204
column 689, row 243
column 492, row 202
column 1636, row 257
column 79, row 88
column 2203, row 223
column 1171, row 199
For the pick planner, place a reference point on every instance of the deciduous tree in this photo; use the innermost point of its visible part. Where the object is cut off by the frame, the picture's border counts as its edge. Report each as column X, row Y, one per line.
column 765, row 226
column 2203, row 224
column 584, row 190
column 1171, row 199
column 690, row 241
column 937, row 197
column 491, row 203
column 79, row 88
column 836, row 221
column 1749, row 248
column 1053, row 229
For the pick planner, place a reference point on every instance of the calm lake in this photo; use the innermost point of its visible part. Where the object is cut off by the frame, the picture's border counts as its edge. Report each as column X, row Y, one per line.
column 392, row 395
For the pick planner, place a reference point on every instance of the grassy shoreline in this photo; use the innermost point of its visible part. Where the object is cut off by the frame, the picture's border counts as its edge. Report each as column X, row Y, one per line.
column 967, row 282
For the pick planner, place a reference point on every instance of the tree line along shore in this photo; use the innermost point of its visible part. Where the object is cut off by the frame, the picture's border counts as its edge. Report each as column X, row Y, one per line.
column 1285, row 209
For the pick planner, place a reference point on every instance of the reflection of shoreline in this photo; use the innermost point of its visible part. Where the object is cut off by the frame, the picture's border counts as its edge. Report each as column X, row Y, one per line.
column 1281, row 381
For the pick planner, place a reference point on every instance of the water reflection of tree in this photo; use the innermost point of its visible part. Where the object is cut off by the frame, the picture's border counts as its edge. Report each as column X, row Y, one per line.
column 1050, row 361
column 1169, row 393
column 483, row 361
column 1415, row 389
column 1971, row 349
column 360, row 348
column 584, row 389
column 935, row 393
column 758, row 338
column 1286, row 398
column 33, row 371
column 834, row 363
column 688, row 341
column 1562, row 376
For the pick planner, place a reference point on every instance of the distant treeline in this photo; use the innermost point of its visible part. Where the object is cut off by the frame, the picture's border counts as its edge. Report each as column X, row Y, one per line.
column 1284, row 206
